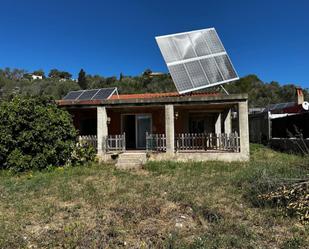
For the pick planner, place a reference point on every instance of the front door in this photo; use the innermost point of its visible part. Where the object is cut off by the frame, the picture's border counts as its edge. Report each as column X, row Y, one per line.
column 143, row 125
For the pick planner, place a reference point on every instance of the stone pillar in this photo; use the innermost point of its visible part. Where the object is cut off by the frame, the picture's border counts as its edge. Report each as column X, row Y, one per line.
column 102, row 130
column 227, row 122
column 169, row 129
column 243, row 128
column 218, row 124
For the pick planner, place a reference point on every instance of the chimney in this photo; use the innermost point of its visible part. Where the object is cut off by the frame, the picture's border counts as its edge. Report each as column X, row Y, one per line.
column 299, row 96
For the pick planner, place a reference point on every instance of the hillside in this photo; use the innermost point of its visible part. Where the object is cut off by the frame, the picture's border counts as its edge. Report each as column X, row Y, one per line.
column 58, row 83
column 165, row 205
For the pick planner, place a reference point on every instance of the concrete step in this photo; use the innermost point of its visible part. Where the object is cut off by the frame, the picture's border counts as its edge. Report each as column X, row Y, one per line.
column 132, row 154
column 131, row 160
column 126, row 165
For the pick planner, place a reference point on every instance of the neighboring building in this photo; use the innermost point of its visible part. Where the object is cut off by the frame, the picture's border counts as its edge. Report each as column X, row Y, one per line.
column 156, row 74
column 199, row 126
column 36, row 77
column 31, row 76
column 276, row 123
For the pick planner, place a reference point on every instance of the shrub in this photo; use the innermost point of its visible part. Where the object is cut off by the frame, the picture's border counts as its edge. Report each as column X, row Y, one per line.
column 34, row 134
column 83, row 153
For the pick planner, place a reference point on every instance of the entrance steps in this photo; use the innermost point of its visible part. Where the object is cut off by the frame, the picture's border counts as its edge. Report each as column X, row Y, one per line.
column 131, row 160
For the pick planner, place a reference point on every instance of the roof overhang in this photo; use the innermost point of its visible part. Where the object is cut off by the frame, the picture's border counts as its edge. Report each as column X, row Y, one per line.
column 232, row 98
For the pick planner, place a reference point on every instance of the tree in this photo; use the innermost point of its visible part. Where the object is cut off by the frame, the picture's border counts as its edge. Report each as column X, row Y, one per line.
column 55, row 73
column 147, row 72
column 121, row 77
column 82, row 80
column 34, row 134
column 111, row 80
column 65, row 75
column 39, row 72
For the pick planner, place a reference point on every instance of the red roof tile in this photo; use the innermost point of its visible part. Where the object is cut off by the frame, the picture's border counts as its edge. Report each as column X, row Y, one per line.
column 131, row 96
column 157, row 95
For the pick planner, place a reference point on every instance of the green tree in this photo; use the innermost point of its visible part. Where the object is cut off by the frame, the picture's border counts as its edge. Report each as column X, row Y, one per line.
column 34, row 134
column 65, row 75
column 82, row 80
column 55, row 73
column 121, row 77
column 147, row 72
column 39, row 72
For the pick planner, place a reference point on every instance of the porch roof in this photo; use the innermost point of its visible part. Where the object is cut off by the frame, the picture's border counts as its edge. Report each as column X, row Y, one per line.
column 156, row 99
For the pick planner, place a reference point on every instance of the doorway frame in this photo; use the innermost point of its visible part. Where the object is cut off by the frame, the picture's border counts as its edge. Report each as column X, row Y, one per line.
column 135, row 117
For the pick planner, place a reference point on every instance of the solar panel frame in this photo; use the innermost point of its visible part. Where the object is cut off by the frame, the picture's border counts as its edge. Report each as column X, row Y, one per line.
column 73, row 95
column 104, row 93
column 196, row 48
column 91, row 94
column 88, row 94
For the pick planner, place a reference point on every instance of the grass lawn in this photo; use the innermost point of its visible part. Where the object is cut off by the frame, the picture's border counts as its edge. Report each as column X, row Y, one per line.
column 165, row 205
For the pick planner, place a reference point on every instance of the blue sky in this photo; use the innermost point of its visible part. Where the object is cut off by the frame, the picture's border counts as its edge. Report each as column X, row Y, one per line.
column 268, row 38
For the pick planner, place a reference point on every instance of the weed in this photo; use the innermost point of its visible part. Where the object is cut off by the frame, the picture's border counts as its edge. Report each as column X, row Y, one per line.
column 166, row 205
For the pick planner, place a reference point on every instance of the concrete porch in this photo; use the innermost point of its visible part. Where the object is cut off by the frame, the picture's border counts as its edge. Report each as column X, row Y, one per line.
column 172, row 121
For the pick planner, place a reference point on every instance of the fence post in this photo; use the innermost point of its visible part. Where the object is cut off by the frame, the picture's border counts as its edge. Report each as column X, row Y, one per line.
column 124, row 141
column 147, row 141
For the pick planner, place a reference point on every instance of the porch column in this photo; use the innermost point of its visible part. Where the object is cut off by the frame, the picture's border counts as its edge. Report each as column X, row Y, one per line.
column 102, row 131
column 243, row 127
column 218, row 124
column 169, row 128
column 227, row 122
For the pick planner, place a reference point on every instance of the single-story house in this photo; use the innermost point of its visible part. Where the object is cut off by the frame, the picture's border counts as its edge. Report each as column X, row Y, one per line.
column 283, row 126
column 165, row 126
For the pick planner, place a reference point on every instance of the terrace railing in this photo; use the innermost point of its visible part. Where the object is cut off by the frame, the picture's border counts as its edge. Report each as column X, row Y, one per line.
column 195, row 142
column 207, row 141
column 156, row 142
column 115, row 142
column 111, row 142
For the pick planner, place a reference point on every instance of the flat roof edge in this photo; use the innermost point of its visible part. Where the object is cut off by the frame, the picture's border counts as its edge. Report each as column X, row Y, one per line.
column 159, row 100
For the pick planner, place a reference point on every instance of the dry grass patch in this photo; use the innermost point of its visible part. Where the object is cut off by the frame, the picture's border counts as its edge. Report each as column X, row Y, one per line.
column 165, row 205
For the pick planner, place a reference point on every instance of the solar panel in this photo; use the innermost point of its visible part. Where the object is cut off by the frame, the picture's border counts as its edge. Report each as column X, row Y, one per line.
column 88, row 94
column 102, row 94
column 196, row 59
column 73, row 95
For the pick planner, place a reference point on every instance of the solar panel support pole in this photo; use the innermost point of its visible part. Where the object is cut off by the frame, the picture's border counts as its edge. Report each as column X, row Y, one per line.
column 227, row 93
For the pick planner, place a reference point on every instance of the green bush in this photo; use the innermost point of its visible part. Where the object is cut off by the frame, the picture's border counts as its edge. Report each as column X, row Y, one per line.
column 82, row 154
column 34, row 134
